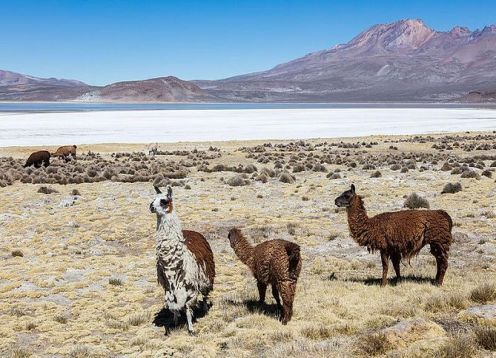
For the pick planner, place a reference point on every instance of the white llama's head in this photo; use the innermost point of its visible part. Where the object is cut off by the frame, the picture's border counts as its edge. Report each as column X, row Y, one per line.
column 162, row 205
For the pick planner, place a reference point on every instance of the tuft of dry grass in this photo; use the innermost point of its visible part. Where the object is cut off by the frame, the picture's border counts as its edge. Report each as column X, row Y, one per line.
column 460, row 346
column 373, row 344
column 483, row 293
column 80, row 351
column 316, row 332
column 114, row 281
column 446, row 302
column 138, row 319
column 486, row 337
column 60, row 319
column 19, row 352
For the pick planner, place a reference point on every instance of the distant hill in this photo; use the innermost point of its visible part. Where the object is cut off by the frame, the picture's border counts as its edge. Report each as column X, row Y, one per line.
column 17, row 87
column 401, row 61
column 162, row 89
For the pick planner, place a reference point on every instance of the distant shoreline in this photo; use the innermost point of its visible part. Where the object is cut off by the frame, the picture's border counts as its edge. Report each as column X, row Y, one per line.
column 75, row 107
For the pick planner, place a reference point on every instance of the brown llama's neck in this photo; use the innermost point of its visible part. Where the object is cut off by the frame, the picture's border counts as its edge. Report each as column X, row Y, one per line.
column 244, row 250
column 358, row 220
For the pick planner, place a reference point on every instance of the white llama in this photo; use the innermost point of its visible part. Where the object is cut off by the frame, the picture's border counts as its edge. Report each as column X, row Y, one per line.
column 185, row 262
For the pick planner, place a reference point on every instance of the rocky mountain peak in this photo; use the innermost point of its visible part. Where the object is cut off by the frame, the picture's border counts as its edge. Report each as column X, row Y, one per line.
column 401, row 35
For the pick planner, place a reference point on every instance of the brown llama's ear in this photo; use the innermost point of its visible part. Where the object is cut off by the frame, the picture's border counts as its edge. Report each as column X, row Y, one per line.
column 353, row 188
column 157, row 189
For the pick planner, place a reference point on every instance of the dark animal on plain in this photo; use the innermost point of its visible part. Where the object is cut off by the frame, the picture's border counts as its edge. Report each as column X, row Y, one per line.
column 274, row 262
column 38, row 159
column 65, row 152
column 399, row 235
column 185, row 262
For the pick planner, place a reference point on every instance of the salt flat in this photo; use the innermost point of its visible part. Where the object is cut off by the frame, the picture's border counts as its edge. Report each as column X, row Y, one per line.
column 215, row 125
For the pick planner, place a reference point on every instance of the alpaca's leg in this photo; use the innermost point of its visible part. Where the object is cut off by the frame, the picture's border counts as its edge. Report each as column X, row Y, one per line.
column 441, row 260
column 287, row 290
column 275, row 293
column 262, row 288
column 385, row 263
column 396, row 259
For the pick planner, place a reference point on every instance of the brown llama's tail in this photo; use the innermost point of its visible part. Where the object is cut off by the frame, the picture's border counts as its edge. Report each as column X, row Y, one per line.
column 293, row 251
column 448, row 217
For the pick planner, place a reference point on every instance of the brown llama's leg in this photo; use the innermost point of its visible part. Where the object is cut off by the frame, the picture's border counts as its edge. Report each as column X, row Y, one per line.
column 396, row 259
column 441, row 256
column 287, row 290
column 262, row 287
column 275, row 293
column 385, row 263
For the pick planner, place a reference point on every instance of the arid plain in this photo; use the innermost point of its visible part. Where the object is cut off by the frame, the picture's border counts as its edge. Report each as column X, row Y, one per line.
column 78, row 277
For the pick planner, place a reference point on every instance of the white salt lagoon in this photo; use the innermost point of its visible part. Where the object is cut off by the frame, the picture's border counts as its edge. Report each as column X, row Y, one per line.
column 144, row 126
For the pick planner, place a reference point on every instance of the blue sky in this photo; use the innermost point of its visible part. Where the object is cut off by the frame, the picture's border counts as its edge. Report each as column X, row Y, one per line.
column 103, row 41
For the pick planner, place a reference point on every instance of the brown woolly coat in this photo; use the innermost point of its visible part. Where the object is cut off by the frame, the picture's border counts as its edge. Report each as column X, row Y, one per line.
column 199, row 246
column 274, row 262
column 402, row 232
column 65, row 151
column 270, row 261
column 38, row 158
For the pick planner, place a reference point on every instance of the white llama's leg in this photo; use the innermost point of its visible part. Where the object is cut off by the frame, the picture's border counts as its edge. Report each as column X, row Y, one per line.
column 189, row 314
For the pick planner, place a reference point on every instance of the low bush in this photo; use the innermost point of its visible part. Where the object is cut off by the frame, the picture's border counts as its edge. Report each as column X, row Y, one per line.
column 415, row 201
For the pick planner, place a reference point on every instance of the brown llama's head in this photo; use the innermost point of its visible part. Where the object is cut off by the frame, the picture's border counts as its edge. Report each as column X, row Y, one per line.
column 162, row 205
column 234, row 233
column 344, row 200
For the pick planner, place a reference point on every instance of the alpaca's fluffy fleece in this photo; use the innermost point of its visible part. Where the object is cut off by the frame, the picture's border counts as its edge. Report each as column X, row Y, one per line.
column 38, row 158
column 273, row 262
column 66, row 151
column 399, row 235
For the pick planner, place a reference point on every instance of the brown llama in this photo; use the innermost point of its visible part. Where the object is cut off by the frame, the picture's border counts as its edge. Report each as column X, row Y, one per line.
column 39, row 158
column 399, row 235
column 65, row 152
column 274, row 262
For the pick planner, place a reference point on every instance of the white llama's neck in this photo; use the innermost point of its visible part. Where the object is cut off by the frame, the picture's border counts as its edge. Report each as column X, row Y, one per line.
column 169, row 231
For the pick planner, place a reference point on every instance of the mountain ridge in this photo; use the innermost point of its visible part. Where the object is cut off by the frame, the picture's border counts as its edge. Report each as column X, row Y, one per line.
column 401, row 61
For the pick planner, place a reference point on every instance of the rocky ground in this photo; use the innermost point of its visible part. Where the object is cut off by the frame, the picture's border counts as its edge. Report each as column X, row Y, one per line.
column 77, row 275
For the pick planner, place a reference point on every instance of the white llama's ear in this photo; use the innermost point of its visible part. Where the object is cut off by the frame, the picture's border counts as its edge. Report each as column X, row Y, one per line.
column 157, row 189
column 169, row 192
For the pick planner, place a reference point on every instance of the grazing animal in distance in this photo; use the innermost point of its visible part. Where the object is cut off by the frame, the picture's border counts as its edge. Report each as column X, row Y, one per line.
column 38, row 158
column 399, row 235
column 66, row 152
column 274, row 262
column 185, row 262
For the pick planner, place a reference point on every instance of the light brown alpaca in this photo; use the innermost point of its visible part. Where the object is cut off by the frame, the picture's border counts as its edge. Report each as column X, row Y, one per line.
column 399, row 235
column 274, row 262
column 65, row 152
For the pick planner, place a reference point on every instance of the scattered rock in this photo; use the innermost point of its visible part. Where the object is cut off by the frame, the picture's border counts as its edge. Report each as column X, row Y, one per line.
column 484, row 313
column 405, row 332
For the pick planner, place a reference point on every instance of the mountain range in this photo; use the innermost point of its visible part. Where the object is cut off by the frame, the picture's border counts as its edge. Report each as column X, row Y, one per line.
column 402, row 61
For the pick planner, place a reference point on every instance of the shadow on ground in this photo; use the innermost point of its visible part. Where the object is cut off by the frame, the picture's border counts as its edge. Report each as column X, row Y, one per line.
column 371, row 281
column 253, row 306
column 165, row 318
